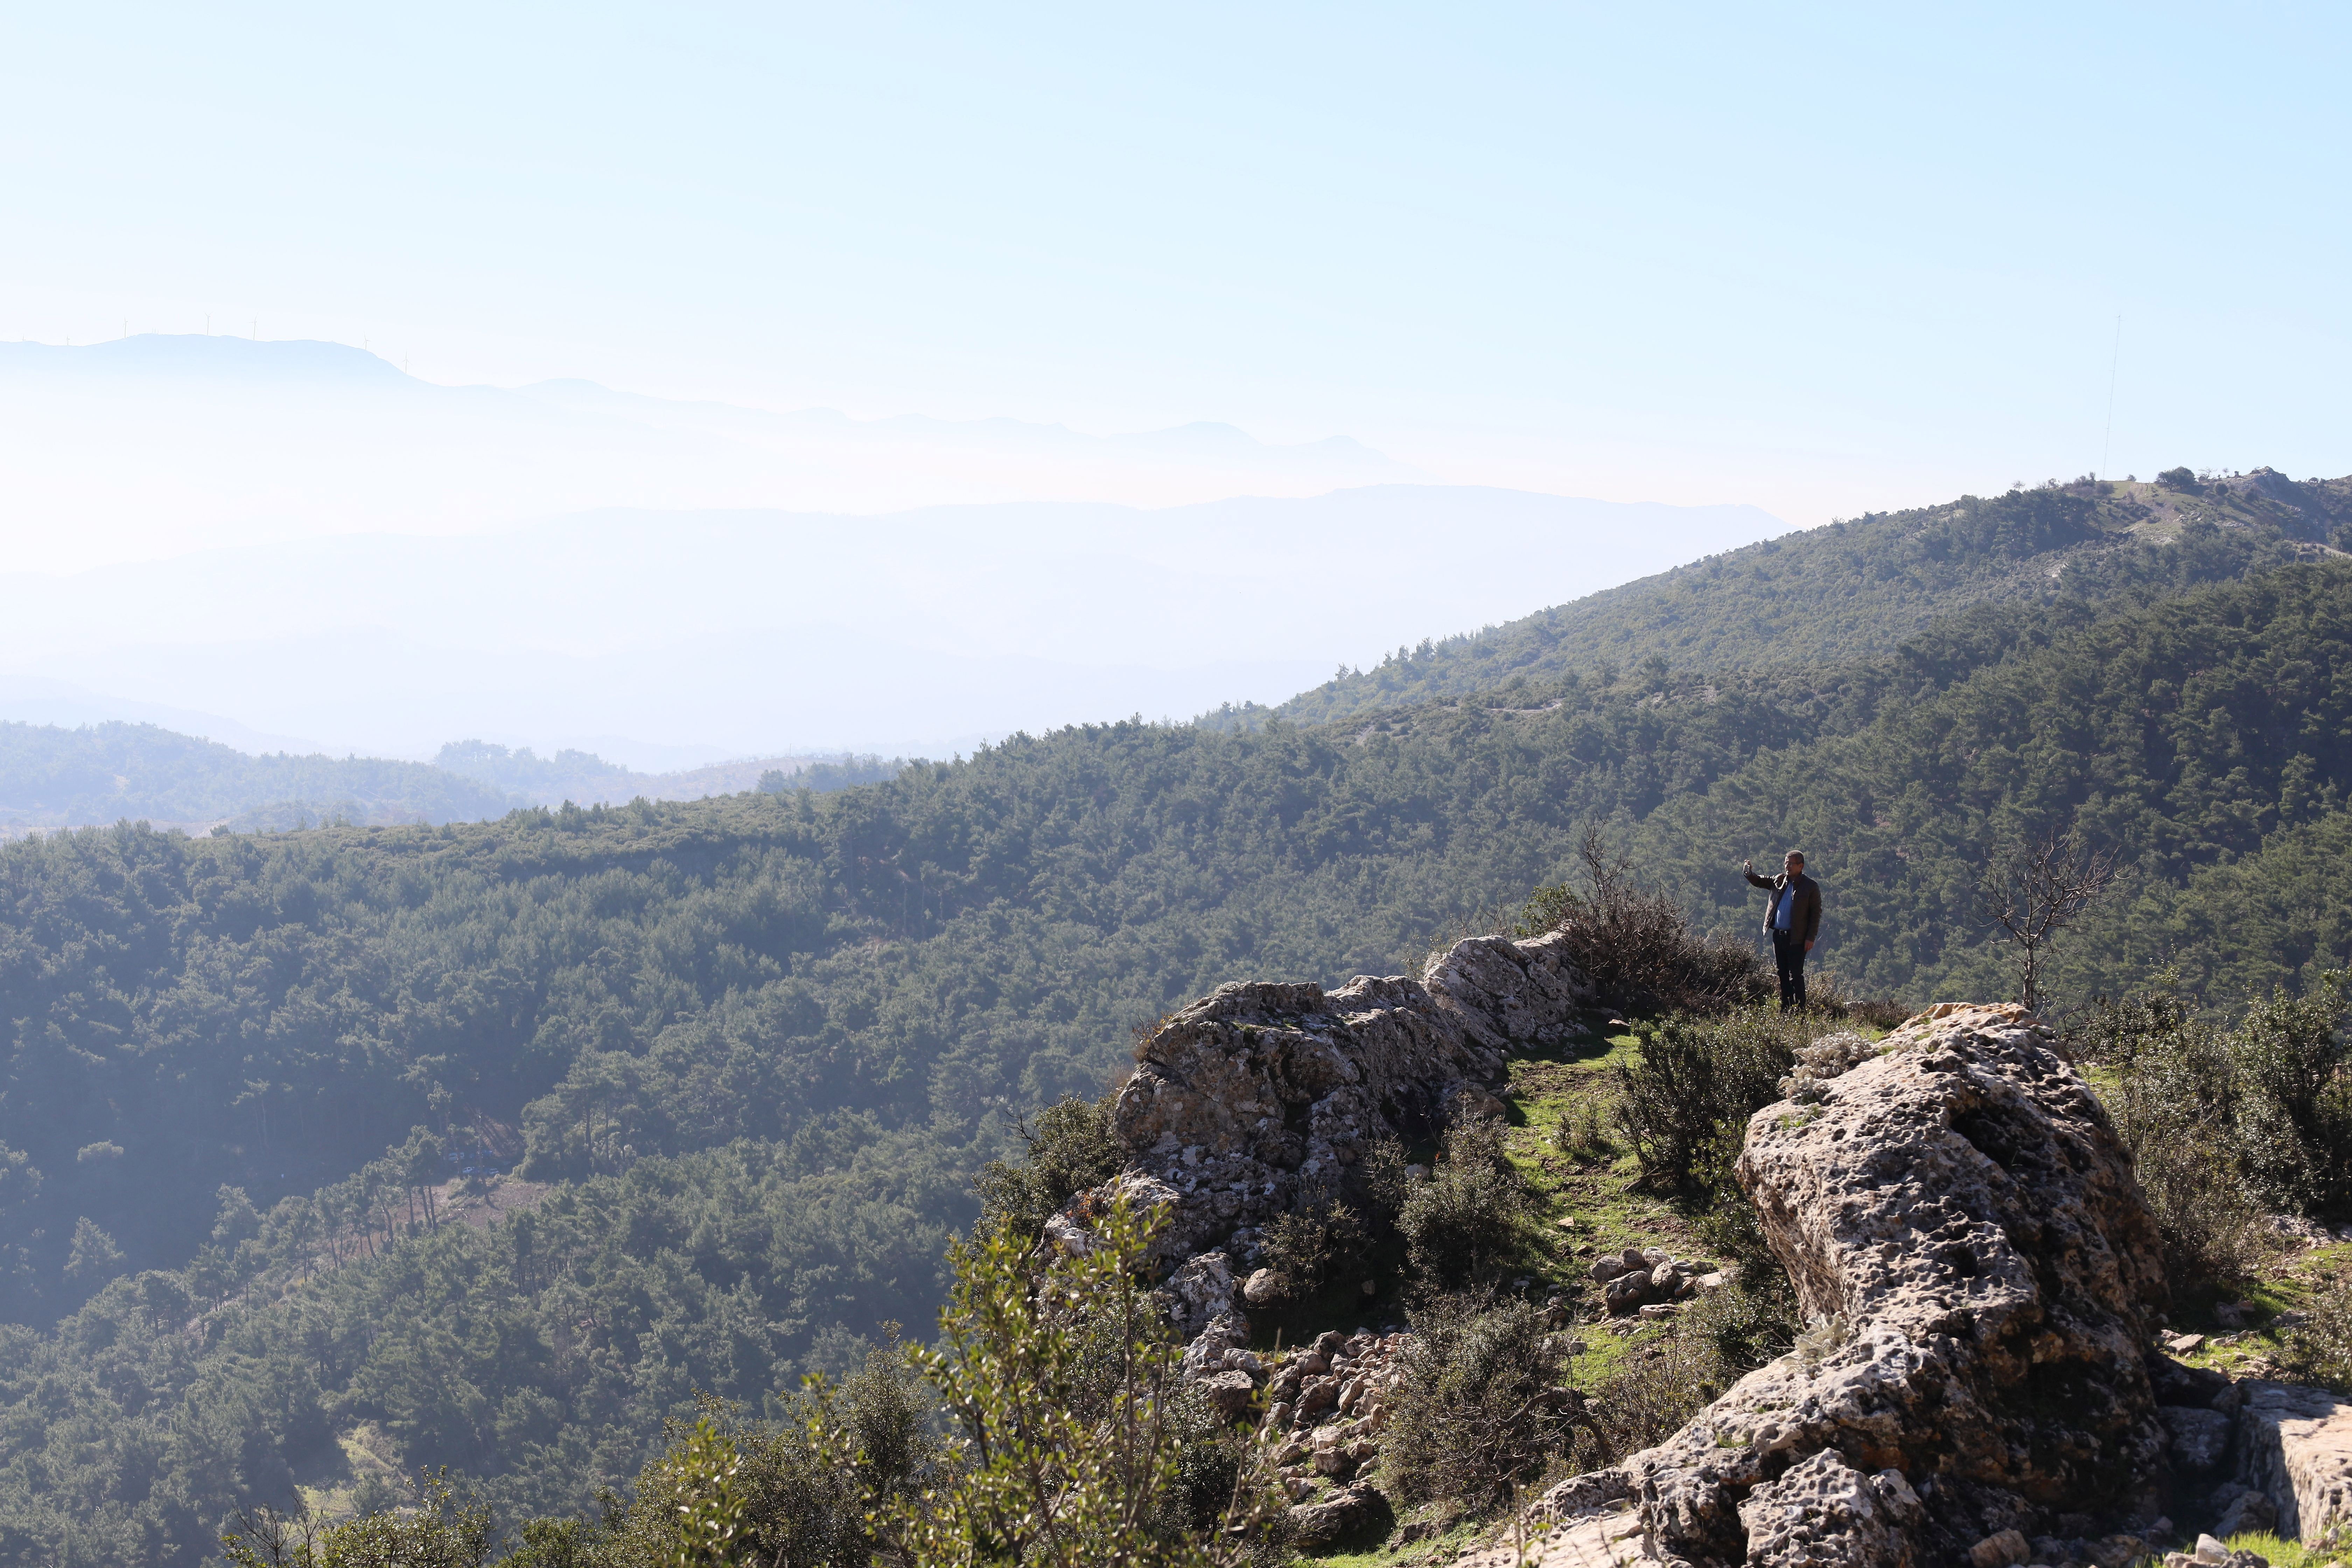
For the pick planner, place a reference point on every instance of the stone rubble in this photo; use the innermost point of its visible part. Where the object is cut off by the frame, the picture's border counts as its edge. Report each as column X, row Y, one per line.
column 1649, row 1280
column 1326, row 1405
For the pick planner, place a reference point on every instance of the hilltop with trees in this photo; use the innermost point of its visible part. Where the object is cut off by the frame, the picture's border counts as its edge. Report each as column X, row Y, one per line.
column 758, row 1049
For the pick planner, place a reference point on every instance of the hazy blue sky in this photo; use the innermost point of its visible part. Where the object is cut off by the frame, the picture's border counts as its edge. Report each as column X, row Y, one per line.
column 1815, row 258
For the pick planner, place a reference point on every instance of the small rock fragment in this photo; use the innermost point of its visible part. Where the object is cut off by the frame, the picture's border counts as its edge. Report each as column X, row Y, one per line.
column 2000, row 1550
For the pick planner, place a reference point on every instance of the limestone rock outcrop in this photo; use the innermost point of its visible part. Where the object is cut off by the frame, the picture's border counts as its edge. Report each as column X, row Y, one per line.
column 1259, row 1096
column 2295, row 1449
column 1260, row 1093
column 1965, row 1233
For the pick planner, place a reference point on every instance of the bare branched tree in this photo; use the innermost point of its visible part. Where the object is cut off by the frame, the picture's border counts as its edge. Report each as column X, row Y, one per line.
column 1638, row 946
column 2034, row 891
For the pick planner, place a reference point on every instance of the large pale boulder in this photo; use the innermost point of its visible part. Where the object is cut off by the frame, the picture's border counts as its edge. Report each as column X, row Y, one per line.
column 1964, row 1231
column 1260, row 1096
column 2295, row 1448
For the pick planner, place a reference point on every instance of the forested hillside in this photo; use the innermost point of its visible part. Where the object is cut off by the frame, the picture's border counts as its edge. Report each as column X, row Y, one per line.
column 267, row 1012
column 1862, row 587
column 111, row 772
column 2206, row 740
column 761, row 1043
column 584, row 778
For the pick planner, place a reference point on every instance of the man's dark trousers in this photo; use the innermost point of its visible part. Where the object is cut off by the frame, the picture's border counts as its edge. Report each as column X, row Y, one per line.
column 1789, row 957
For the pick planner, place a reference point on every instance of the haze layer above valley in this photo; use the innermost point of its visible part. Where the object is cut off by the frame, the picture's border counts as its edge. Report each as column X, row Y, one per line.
column 393, row 563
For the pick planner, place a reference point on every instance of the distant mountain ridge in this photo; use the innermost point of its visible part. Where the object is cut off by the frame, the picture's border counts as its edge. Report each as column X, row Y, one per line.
column 100, row 773
column 584, row 778
column 241, row 441
column 1859, row 589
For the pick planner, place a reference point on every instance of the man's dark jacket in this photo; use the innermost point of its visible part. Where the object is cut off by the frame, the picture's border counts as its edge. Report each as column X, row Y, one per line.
column 1805, row 920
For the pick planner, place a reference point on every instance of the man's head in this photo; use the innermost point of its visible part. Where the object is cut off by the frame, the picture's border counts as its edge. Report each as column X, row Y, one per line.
column 1795, row 862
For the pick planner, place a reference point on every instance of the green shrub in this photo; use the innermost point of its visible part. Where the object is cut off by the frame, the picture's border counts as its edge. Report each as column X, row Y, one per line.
column 1381, row 1178
column 1062, row 1378
column 1683, row 1101
column 1754, row 1316
column 1481, row 1405
column 1583, row 1131
column 1461, row 1226
column 2224, row 1124
column 1070, row 1147
column 2295, row 1118
column 2319, row 1349
column 801, row 1487
column 447, row 1529
column 1659, row 1388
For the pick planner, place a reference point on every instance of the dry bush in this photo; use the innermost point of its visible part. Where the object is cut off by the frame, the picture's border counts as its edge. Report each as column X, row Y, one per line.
column 1826, row 993
column 1482, row 1405
column 1881, row 1013
column 1305, row 1246
column 1639, row 948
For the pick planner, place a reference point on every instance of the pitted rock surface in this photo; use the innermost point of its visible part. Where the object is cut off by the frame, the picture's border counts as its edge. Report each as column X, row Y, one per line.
column 1963, row 1227
column 1200, row 1292
column 1260, row 1094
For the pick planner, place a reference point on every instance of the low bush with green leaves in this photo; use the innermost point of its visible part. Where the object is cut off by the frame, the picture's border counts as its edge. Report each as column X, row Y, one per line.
column 1684, row 1098
column 1461, row 1226
column 1070, row 1147
column 1582, row 1131
column 1304, row 1246
column 2319, row 1349
column 446, row 1527
column 1657, row 1389
column 2227, row 1124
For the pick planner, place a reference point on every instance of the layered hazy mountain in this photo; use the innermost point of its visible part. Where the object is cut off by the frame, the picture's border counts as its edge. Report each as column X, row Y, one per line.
column 124, row 447
column 54, row 776
column 411, row 570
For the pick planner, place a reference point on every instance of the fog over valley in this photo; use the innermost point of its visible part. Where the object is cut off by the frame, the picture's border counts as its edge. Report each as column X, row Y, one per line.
column 406, row 599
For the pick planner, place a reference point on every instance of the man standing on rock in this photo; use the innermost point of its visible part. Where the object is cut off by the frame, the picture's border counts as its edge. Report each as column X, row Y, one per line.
column 1792, row 918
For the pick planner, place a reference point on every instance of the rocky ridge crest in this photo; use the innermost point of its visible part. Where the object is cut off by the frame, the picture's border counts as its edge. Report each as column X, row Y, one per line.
column 1260, row 1095
column 1980, row 1383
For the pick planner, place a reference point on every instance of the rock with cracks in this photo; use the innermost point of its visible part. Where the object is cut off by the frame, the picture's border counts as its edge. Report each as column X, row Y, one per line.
column 1964, row 1232
column 1259, row 1096
column 2296, row 1451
